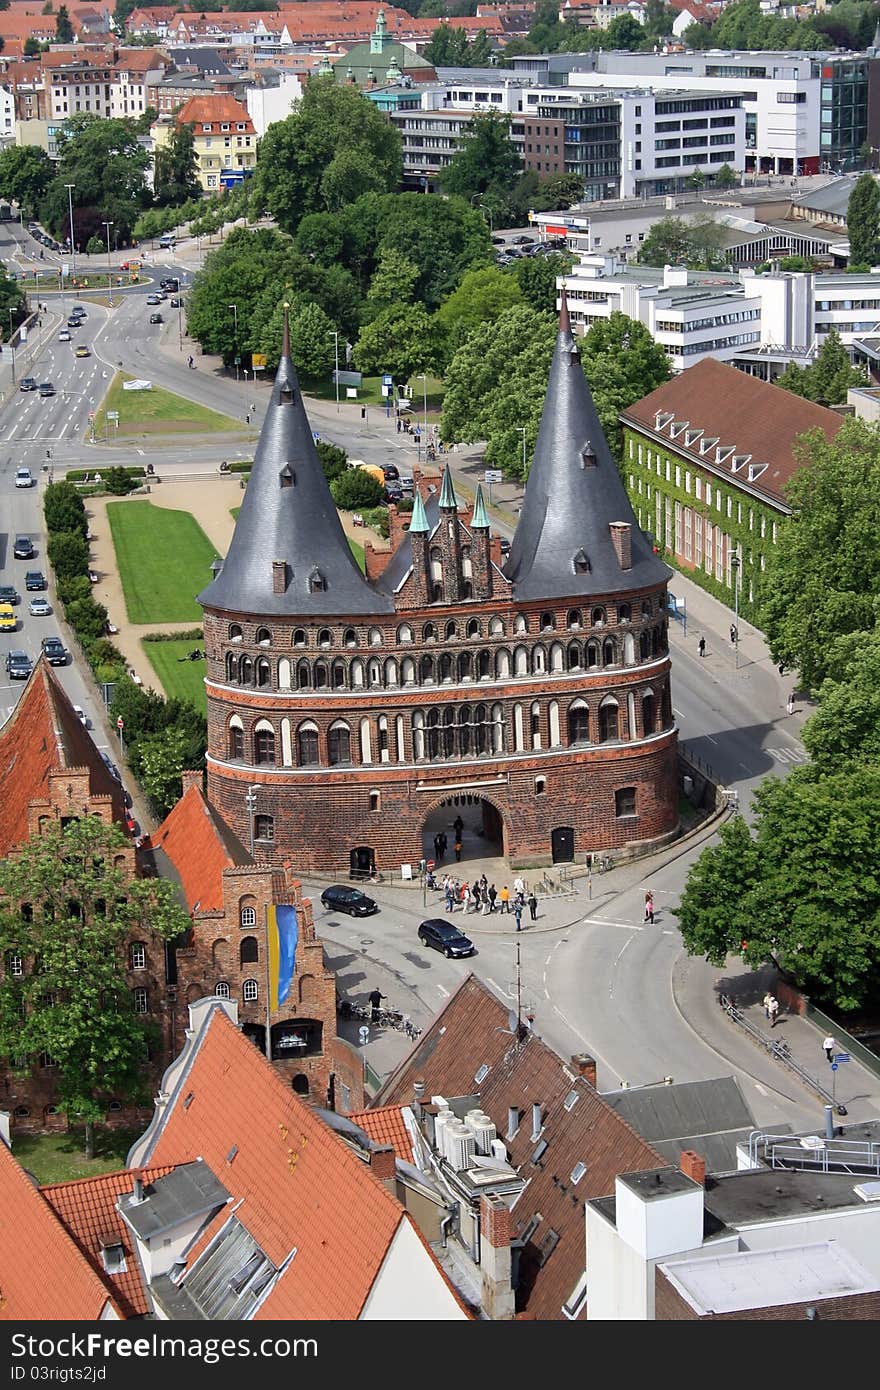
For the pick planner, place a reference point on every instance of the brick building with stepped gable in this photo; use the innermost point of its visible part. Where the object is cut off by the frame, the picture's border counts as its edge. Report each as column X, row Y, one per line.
column 348, row 715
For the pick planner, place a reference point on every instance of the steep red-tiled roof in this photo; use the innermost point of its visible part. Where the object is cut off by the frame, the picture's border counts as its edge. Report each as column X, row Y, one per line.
column 212, row 110
column 200, row 847
column 294, row 1182
column 472, row 1031
column 746, row 414
column 42, row 1273
column 87, row 1210
column 43, row 732
column 386, row 1126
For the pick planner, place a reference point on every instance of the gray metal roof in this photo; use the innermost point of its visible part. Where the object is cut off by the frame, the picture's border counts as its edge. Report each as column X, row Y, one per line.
column 685, row 1110
column 568, row 506
column 833, row 198
column 288, row 514
column 189, row 1191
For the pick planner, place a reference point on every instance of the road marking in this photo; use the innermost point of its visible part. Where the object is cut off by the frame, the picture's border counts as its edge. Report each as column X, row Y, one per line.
column 759, row 1087
column 712, row 740
column 495, row 985
column 444, row 992
column 788, row 755
column 603, row 922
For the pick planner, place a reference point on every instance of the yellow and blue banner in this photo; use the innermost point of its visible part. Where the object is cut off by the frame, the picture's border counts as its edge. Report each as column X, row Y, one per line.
column 282, row 932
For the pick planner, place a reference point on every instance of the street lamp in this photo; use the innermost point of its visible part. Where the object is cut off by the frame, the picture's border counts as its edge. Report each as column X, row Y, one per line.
column 107, row 226
column 734, row 565
column 424, row 380
column 11, row 347
column 234, row 308
column 335, row 336
column 70, row 187
column 521, row 429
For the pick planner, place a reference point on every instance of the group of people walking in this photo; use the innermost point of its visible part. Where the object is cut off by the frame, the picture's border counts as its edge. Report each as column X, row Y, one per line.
column 483, row 897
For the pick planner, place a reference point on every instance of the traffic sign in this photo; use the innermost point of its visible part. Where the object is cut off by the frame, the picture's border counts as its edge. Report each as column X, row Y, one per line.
column 494, row 475
column 120, row 723
column 112, row 414
column 834, row 1066
column 842, row 1057
column 387, row 379
column 91, row 415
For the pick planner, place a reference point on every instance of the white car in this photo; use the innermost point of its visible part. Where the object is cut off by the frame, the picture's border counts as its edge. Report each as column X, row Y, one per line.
column 81, row 715
column 23, row 477
column 39, row 608
column 64, row 335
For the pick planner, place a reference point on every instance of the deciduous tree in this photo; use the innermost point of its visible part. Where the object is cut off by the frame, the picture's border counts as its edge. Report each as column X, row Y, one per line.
column 175, row 179
column 486, row 157
column 25, row 173
column 622, row 363
column 863, row 222
column 399, row 340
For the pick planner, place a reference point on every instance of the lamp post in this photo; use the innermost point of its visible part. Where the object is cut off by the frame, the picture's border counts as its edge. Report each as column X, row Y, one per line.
column 70, row 187
column 234, row 308
column 422, row 377
column 335, row 336
column 11, row 347
column 734, row 565
column 107, row 226
column 521, row 429
column 251, row 802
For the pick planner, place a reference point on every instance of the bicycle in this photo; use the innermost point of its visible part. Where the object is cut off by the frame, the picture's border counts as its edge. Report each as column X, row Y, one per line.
column 602, row 863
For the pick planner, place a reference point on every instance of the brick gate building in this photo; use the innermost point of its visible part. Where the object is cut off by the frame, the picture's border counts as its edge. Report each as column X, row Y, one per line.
column 344, row 711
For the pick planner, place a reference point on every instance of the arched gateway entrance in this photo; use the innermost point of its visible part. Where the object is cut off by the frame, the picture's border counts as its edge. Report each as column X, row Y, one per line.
column 482, row 828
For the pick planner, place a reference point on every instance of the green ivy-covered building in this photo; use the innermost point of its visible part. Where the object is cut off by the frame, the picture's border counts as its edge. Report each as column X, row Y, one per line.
column 706, row 459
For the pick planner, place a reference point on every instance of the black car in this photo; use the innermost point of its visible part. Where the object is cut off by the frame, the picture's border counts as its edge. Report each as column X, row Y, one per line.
column 155, row 318
column 505, row 546
column 35, row 579
column 169, row 283
column 54, row 651
column 341, row 898
column 23, row 548
column 392, row 474
column 443, row 936
column 46, row 389
column 9, row 594
column 74, row 321
column 394, row 493
column 175, row 301
column 18, row 666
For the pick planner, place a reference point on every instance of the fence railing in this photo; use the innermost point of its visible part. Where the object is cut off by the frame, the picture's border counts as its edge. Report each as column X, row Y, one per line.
column 778, row 1049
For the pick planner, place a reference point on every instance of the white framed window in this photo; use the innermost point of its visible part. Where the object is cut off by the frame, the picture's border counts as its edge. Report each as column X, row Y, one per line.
column 687, row 481
column 140, row 1001
column 250, row 991
column 137, row 955
column 221, row 989
column 248, row 917
column 15, row 965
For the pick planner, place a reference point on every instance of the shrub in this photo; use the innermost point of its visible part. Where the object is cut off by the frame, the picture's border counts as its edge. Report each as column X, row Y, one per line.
column 74, row 589
column 334, row 460
column 119, row 481
column 87, row 618
column 194, row 634
column 356, row 489
column 68, row 554
column 63, row 509
column 377, row 519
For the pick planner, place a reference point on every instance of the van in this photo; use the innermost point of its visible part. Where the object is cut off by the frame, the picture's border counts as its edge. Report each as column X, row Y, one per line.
column 167, row 242
column 372, row 468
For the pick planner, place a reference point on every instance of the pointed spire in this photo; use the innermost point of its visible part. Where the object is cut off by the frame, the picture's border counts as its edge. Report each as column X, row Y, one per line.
column 563, row 546
column 479, row 516
column 448, row 499
column 418, row 525
column 289, row 554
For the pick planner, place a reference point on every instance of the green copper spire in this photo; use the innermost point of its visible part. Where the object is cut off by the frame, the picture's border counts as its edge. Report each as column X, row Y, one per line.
column 448, row 499
column 479, row 517
column 419, row 522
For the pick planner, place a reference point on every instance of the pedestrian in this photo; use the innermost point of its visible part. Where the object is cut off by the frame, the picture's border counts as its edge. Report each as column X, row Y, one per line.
column 458, row 849
column 766, row 1002
column 789, row 707
column 375, row 999
column 444, row 843
column 190, row 362
column 465, row 898
column 450, row 899
column 504, row 896
column 517, row 912
column 829, row 1045
column 247, row 418
column 533, row 906
column 733, row 633
column 649, row 907
column 492, row 895
column 458, row 826
column 701, row 646
column 519, row 902
column 253, row 407
column 519, row 886
column 773, row 1006
column 437, row 851
column 399, row 427
column 484, row 901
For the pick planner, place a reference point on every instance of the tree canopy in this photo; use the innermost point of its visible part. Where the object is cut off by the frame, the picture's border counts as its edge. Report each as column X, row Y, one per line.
column 696, row 243
column 622, row 363
column 826, row 380
column 486, row 157
column 25, row 173
column 107, row 166
column 174, row 178
column 863, row 222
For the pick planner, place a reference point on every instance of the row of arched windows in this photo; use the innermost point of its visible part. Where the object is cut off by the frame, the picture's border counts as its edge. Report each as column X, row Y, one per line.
column 449, row 668
column 464, row 731
column 472, row 629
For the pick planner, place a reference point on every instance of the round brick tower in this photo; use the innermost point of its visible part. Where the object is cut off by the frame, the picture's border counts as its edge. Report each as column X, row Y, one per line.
column 347, row 718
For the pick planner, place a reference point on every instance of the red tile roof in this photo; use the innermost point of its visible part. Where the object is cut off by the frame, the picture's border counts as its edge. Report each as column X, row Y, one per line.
column 294, row 1182
column 87, row 1209
column 747, row 415
column 44, row 733
column 386, row 1126
column 212, row 110
column 42, row 1273
column 200, row 848
column 472, row 1031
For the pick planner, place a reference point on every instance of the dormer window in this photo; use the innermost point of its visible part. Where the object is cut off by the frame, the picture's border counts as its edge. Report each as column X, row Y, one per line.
column 287, row 477
column 286, row 394
column 588, row 455
column 317, row 582
column 755, row 470
column 581, row 563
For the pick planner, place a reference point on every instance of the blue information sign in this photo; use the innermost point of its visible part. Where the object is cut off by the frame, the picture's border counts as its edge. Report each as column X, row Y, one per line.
column 842, row 1057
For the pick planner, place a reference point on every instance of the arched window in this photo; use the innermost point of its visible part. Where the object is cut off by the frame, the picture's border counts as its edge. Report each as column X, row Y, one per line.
column 325, row 637
column 502, row 663
column 609, row 720
column 307, row 744
column 519, row 741
column 235, row 741
column 497, row 728
column 609, row 652
column 557, row 657
column 404, row 633
column 578, row 722
column 548, row 622
column 375, row 637
column 337, row 674
column 429, row 633
column 473, row 628
column 322, row 675
column 573, row 656
column 338, row 743
column 574, row 617
column 235, row 632
column 418, row 735
column 264, row 637
column 248, row 950
column 409, row 671
column 451, row 630
column 521, row 662
column 250, row 992
column 391, row 671
column 496, row 627
column 447, row 732
column 221, row 989
column 629, row 649
column 247, row 915
column 366, row 741
column 303, row 675
column 230, row 666
column 624, row 613
column 482, row 731
column 597, row 617
column 432, row 734
column 264, row 743
column 539, row 661
column 399, row 739
column 645, row 646
column 520, row 624
column 264, row 672
column 553, row 719
column 426, row 670
column 284, row 674
column 286, row 744
column 299, row 637
column 374, row 672
column 535, row 724
column 484, row 665
column 245, row 670
column 444, row 667
column 592, row 654
column 465, row 669
column 647, row 610
column 649, row 712
column 357, row 674
column 349, row 637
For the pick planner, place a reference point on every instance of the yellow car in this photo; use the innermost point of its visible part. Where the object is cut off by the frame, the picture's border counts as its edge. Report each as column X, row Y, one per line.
column 82, row 351
column 8, row 620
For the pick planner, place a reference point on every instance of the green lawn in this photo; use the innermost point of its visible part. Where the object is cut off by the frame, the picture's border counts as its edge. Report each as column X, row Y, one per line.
column 370, row 393
column 180, row 679
column 164, row 559
column 60, row 1158
column 156, row 412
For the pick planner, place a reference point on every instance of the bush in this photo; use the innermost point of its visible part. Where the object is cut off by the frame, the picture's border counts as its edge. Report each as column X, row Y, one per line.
column 79, row 475
column 241, row 466
column 87, row 618
column 68, row 554
column 94, row 246
column 334, row 460
column 377, row 519
column 119, row 481
column 63, row 509
column 195, row 634
column 356, row 489
column 75, row 589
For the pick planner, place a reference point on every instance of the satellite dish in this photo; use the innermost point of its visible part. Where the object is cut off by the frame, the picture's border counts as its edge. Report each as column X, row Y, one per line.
column 512, row 1021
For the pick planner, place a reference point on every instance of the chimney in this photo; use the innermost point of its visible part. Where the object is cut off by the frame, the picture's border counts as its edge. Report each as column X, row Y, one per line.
column 192, row 778
column 383, row 1165
column 418, row 1093
column 279, row 576
column 537, row 1123
column 585, row 1066
column 512, row 1121
column 137, row 1192
column 693, row 1166
column 495, row 1258
column 621, row 539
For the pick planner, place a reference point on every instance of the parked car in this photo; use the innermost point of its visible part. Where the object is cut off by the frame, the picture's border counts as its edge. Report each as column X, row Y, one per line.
column 443, row 936
column 35, row 579
column 82, row 351
column 505, row 547
column 407, row 485
column 341, row 898
column 18, row 666
column 54, row 651
column 9, row 594
column 110, row 766
column 23, row 476
column 524, row 240
column 64, row 335
column 23, row 548
column 39, row 608
column 498, row 241
column 393, row 493
column 392, row 473
column 46, row 390
column 156, row 318
column 8, row 620
column 28, row 383
column 81, row 716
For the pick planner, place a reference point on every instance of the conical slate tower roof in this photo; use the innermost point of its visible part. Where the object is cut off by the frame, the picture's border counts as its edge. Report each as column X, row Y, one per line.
column 288, row 515
column 563, row 546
